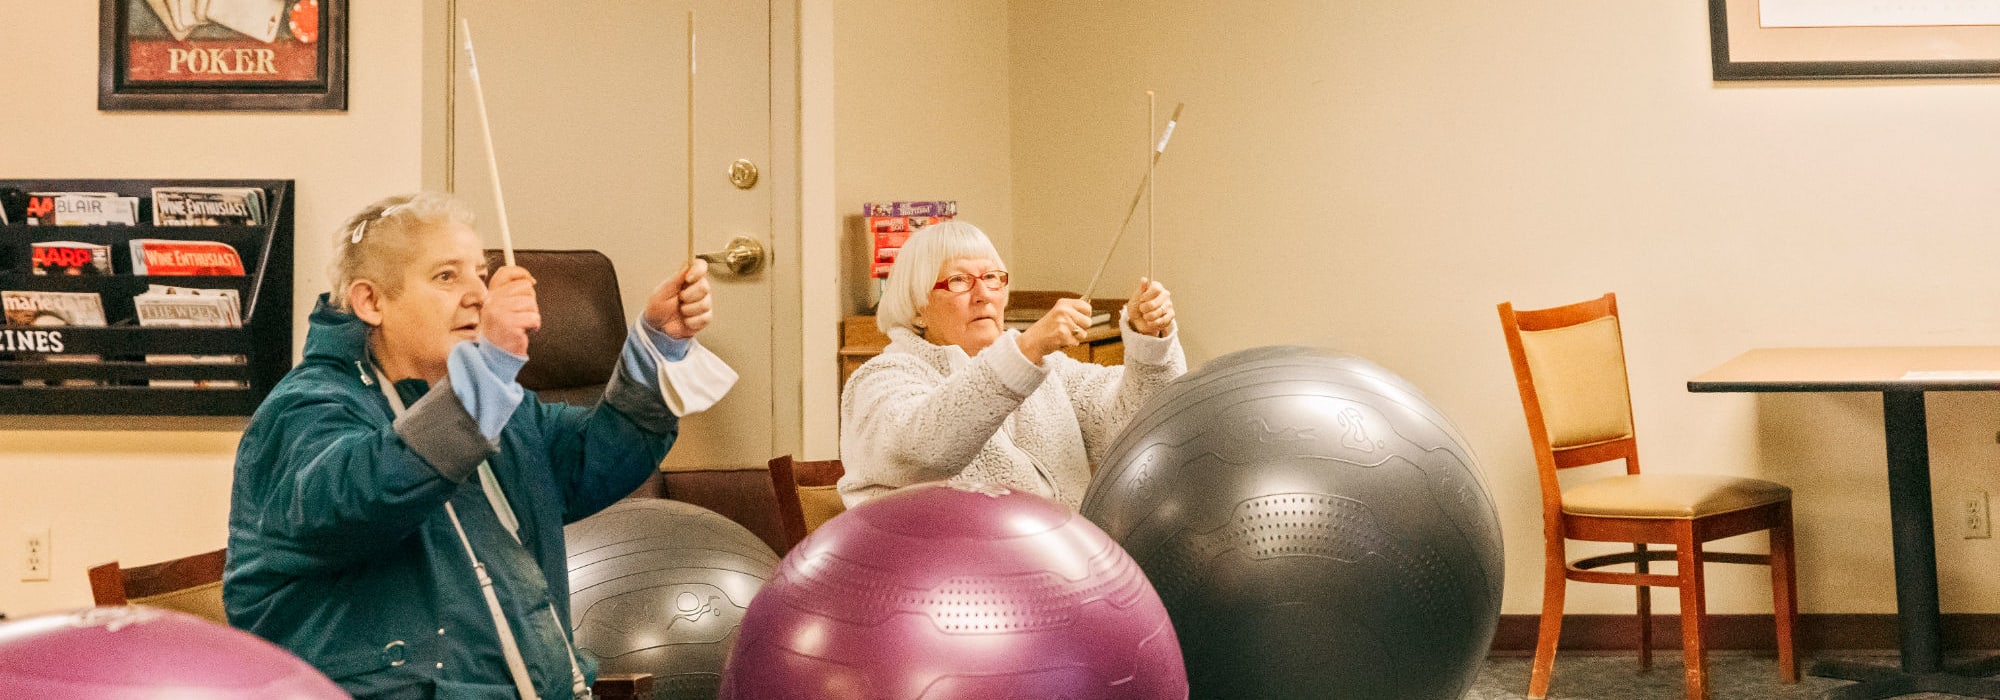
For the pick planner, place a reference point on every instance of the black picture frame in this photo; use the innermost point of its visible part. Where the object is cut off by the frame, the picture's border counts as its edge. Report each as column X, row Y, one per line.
column 1935, row 59
column 132, row 40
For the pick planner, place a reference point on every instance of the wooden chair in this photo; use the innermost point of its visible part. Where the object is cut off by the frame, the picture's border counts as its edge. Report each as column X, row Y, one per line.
column 806, row 496
column 191, row 585
column 1569, row 363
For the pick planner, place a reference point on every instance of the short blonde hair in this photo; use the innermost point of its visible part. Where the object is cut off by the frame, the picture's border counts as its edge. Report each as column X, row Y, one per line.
column 375, row 243
column 908, row 289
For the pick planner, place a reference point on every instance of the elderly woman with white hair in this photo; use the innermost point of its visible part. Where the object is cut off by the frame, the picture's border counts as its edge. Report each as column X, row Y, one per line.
column 957, row 396
column 398, row 509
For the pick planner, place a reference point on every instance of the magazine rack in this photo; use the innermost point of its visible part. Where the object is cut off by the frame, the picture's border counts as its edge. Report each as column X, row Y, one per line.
column 119, row 382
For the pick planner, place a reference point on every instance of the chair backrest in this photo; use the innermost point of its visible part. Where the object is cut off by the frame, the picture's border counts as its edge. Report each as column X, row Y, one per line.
column 583, row 323
column 741, row 494
column 1569, row 363
column 189, row 584
column 806, row 495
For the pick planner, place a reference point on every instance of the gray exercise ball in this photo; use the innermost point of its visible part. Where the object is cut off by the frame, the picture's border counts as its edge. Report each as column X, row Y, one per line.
column 1315, row 527
column 660, row 587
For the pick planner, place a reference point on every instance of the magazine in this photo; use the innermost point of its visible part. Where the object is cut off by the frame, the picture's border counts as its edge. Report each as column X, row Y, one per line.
column 208, row 206
column 55, row 309
column 52, row 308
column 154, row 256
column 944, row 208
column 81, row 209
column 162, row 305
column 890, row 233
column 183, row 307
column 70, row 258
column 13, row 205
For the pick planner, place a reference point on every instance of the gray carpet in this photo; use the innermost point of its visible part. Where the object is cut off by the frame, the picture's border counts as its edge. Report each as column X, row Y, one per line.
column 1731, row 677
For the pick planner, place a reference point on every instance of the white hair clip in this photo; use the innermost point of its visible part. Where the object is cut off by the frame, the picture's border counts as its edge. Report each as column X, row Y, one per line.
column 361, row 229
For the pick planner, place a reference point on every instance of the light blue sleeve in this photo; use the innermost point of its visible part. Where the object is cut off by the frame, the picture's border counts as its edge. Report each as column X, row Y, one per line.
column 483, row 376
column 674, row 349
column 643, row 366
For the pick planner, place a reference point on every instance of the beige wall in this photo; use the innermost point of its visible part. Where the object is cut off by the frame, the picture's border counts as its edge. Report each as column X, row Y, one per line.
column 921, row 108
column 1396, row 168
column 1376, row 176
column 938, row 127
column 141, row 491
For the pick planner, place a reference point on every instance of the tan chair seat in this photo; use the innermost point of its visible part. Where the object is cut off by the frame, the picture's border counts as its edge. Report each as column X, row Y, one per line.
column 820, row 504
column 204, row 600
column 1671, row 495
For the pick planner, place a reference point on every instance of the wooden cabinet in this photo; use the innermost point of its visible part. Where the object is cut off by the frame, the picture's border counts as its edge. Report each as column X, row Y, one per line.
column 859, row 341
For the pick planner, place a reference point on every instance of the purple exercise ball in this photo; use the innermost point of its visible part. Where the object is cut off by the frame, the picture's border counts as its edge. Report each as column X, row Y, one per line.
column 945, row 591
column 144, row 653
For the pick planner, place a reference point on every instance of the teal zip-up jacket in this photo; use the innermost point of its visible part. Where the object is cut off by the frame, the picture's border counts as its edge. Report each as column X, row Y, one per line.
column 340, row 549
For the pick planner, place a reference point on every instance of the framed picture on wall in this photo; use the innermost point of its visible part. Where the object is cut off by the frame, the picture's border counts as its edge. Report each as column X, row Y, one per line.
column 222, row 55
column 1813, row 39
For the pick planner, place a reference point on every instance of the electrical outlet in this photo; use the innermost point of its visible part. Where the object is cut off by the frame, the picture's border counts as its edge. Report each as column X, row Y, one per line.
column 35, row 555
column 1974, row 516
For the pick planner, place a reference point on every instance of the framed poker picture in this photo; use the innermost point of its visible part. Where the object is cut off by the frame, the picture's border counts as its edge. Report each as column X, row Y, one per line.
column 222, row 55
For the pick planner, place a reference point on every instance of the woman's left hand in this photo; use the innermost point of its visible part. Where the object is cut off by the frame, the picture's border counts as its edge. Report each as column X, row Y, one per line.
column 680, row 306
column 1151, row 310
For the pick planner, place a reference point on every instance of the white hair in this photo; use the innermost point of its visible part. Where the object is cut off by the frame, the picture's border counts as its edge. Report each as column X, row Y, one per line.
column 908, row 289
column 376, row 242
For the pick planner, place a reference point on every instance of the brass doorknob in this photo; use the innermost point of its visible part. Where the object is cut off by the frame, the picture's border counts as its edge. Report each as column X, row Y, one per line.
column 742, row 256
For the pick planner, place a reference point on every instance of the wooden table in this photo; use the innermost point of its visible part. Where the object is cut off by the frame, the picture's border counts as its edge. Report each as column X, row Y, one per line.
column 1901, row 375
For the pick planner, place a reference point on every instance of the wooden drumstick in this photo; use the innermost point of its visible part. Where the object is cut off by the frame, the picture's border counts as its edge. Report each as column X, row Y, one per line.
column 1151, row 115
column 486, row 130
column 1145, row 185
column 690, row 141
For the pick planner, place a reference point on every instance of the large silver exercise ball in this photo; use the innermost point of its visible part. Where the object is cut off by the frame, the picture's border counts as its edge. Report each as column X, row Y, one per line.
column 660, row 587
column 1314, row 526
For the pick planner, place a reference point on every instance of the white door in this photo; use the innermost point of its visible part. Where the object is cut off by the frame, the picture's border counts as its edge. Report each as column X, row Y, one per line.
column 588, row 106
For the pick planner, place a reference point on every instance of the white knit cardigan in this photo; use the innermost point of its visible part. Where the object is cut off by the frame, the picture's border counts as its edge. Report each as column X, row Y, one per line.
column 924, row 412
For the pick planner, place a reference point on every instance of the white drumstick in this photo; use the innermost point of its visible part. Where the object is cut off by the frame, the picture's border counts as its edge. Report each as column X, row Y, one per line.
column 486, row 130
column 1145, row 185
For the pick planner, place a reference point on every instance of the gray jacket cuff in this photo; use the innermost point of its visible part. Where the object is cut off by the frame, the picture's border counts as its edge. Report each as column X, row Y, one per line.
column 642, row 404
column 438, row 428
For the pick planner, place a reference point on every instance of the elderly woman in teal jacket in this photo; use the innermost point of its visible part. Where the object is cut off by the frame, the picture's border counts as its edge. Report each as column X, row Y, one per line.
column 396, row 518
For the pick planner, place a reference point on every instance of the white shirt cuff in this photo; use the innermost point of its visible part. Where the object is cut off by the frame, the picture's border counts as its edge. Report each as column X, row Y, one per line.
column 1146, row 349
column 693, row 383
column 1019, row 374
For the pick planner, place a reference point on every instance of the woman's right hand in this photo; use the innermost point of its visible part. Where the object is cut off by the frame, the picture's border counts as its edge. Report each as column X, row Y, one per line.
column 510, row 312
column 1063, row 326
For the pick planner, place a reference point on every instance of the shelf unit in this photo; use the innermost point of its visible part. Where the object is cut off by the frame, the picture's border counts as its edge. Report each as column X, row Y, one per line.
column 121, row 377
